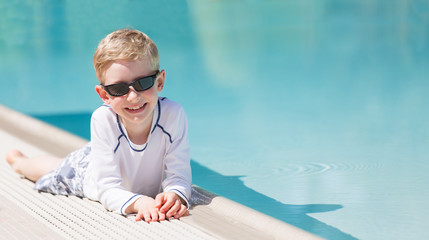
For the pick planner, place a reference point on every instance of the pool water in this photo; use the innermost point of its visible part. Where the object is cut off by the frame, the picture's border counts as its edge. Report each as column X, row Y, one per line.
column 313, row 112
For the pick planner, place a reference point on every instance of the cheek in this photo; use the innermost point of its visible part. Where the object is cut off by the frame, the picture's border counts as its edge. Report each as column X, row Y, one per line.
column 150, row 94
column 115, row 101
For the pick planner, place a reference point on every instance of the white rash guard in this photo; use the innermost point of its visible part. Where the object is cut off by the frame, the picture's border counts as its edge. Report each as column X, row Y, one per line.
column 119, row 171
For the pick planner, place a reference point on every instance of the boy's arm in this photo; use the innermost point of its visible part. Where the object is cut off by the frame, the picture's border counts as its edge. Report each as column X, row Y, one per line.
column 105, row 174
column 178, row 175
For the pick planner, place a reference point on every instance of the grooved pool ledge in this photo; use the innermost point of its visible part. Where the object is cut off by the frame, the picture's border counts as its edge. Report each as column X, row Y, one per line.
column 27, row 214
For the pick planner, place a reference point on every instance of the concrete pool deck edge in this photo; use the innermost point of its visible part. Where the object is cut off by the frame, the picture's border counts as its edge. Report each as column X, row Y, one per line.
column 211, row 216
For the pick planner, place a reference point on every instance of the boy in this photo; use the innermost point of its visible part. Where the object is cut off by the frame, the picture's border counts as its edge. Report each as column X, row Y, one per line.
column 138, row 159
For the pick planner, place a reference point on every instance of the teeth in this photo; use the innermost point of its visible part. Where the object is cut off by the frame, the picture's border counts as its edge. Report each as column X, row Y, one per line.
column 136, row 108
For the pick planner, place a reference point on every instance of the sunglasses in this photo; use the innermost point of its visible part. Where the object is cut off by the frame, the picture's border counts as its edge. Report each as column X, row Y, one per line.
column 121, row 89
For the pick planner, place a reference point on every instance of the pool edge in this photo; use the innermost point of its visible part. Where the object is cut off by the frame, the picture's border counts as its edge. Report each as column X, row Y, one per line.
column 227, row 218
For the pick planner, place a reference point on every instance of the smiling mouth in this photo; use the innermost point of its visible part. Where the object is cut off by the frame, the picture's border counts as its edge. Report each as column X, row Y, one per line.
column 136, row 109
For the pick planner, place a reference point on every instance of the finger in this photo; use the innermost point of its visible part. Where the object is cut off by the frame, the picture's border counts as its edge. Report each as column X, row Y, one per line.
column 139, row 216
column 167, row 205
column 161, row 216
column 182, row 212
column 173, row 210
column 146, row 215
column 159, row 200
column 154, row 215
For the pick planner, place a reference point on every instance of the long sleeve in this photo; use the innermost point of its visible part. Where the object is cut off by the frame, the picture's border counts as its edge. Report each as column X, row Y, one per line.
column 178, row 175
column 107, row 175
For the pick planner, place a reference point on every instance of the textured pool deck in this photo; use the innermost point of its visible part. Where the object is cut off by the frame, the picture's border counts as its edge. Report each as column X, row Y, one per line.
column 28, row 214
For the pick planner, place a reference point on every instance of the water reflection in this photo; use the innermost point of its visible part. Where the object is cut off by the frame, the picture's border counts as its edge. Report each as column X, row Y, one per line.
column 233, row 188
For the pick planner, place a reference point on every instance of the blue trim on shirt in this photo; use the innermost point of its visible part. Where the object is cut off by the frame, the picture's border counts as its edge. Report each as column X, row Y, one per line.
column 154, row 127
column 159, row 116
column 119, row 143
column 123, row 135
column 157, row 121
column 123, row 213
column 168, row 134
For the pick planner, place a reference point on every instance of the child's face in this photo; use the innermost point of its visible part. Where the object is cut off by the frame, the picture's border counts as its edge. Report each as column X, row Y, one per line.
column 136, row 107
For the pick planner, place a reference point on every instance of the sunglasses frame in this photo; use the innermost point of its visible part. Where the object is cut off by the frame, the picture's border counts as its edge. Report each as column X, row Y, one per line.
column 135, row 84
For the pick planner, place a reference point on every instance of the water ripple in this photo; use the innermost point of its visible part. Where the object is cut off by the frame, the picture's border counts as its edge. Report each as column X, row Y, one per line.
column 314, row 168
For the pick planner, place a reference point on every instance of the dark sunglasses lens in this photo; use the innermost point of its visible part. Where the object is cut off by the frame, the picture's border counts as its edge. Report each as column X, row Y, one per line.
column 144, row 83
column 118, row 89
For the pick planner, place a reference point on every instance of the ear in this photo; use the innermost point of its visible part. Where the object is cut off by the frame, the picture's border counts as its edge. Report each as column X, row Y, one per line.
column 103, row 94
column 160, row 81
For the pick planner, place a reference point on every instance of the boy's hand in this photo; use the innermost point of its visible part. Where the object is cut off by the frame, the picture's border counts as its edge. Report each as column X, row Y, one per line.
column 170, row 204
column 146, row 210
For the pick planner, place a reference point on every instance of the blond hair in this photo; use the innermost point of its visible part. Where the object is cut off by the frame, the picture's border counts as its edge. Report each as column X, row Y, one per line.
column 124, row 44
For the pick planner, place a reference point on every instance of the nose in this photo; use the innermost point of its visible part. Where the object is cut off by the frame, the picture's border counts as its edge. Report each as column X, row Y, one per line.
column 133, row 95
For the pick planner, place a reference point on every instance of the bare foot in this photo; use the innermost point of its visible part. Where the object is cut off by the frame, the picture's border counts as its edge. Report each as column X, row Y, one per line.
column 14, row 157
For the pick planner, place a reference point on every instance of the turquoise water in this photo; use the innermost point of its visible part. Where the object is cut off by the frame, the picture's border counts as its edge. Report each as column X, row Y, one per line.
column 314, row 112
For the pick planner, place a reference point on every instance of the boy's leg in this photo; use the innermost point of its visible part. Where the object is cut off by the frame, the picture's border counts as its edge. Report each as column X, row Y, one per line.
column 32, row 168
